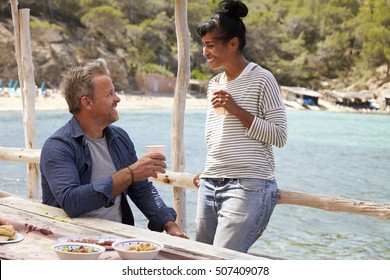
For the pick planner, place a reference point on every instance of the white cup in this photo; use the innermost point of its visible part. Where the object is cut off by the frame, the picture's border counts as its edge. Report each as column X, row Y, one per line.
column 155, row 149
column 220, row 110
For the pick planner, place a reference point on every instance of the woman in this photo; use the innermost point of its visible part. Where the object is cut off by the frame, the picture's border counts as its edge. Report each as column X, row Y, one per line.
column 237, row 188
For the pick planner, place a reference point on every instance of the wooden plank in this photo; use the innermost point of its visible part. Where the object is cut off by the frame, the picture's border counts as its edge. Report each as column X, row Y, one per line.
column 56, row 218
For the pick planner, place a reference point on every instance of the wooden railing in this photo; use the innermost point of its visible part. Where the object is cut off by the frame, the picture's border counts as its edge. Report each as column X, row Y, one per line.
column 184, row 180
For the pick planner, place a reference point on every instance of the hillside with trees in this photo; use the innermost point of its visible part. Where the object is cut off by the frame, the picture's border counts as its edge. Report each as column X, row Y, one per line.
column 309, row 43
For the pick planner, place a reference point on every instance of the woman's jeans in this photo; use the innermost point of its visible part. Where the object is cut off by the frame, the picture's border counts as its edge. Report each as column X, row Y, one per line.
column 233, row 213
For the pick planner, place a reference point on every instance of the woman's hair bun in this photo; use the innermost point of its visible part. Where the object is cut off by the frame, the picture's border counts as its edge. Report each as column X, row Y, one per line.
column 234, row 8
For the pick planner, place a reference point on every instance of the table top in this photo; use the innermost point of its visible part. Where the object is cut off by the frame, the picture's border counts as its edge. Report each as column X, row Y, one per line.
column 40, row 226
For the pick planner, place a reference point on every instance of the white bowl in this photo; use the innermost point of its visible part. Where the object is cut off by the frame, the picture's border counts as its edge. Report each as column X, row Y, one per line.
column 122, row 247
column 64, row 254
column 105, row 241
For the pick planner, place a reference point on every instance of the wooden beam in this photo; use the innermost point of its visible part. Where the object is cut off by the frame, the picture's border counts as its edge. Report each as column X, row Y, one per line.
column 319, row 201
column 333, row 203
column 20, row 154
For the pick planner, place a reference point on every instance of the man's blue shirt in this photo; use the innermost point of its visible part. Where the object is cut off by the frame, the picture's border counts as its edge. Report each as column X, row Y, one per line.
column 66, row 169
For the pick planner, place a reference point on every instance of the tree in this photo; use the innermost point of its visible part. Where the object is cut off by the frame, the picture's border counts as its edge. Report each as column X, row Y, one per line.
column 107, row 22
column 155, row 43
column 333, row 54
column 372, row 34
column 376, row 47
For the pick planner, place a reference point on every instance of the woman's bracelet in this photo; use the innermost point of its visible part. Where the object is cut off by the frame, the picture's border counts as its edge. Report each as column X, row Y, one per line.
column 132, row 175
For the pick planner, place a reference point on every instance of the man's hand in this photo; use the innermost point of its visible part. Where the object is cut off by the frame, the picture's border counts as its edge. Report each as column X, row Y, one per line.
column 148, row 166
column 173, row 229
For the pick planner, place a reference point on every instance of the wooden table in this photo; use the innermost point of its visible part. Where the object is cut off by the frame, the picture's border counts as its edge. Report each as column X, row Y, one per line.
column 42, row 225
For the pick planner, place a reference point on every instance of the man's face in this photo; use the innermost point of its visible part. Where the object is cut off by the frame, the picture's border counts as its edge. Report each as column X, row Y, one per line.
column 105, row 100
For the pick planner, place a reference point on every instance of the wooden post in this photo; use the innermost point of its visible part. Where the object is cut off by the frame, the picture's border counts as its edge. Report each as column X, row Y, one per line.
column 21, row 21
column 182, row 82
column 18, row 56
column 29, row 92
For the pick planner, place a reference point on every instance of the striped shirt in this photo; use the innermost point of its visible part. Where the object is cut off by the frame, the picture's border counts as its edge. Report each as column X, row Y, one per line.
column 234, row 151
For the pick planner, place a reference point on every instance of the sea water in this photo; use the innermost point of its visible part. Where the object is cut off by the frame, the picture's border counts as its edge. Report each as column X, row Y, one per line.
column 342, row 154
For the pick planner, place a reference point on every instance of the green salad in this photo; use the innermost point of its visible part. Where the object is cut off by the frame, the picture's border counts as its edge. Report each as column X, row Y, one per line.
column 80, row 249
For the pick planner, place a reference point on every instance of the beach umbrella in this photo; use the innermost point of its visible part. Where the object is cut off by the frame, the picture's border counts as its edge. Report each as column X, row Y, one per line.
column 43, row 88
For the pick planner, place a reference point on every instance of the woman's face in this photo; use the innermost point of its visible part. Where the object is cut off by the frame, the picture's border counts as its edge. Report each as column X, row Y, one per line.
column 215, row 50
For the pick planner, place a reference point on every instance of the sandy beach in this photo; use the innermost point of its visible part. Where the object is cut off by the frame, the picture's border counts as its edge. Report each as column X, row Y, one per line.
column 57, row 102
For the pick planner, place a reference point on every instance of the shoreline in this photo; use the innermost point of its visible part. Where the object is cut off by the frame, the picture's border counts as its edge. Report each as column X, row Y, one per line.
column 57, row 102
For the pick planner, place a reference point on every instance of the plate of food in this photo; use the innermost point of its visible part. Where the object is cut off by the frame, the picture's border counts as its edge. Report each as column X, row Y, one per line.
column 105, row 241
column 9, row 235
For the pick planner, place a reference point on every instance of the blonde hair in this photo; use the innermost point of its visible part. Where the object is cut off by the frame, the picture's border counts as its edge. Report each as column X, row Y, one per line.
column 78, row 82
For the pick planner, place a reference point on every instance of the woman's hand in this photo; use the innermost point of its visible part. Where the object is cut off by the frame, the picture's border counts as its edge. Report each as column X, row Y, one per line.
column 222, row 98
column 195, row 181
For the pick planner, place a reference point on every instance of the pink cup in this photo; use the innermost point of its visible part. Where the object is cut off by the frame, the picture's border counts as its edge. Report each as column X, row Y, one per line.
column 155, row 149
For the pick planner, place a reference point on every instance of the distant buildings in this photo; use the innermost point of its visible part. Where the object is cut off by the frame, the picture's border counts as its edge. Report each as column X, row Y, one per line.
column 160, row 85
column 334, row 100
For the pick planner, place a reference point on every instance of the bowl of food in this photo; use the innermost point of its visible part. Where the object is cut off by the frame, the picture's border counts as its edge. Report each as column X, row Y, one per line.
column 78, row 251
column 105, row 241
column 137, row 249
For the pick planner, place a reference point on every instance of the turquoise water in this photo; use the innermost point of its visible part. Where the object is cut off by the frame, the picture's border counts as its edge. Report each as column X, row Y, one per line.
column 341, row 154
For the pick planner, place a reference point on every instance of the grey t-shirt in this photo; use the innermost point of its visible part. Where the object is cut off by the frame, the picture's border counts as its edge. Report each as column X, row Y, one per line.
column 103, row 166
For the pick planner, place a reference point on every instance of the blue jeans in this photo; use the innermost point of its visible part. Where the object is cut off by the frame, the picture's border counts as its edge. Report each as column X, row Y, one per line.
column 233, row 213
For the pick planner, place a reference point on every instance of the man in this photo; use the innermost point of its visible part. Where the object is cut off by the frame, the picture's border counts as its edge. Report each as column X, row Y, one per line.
column 89, row 166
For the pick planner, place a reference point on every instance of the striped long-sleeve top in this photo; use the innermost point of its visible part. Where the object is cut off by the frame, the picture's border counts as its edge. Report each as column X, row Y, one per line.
column 234, row 151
